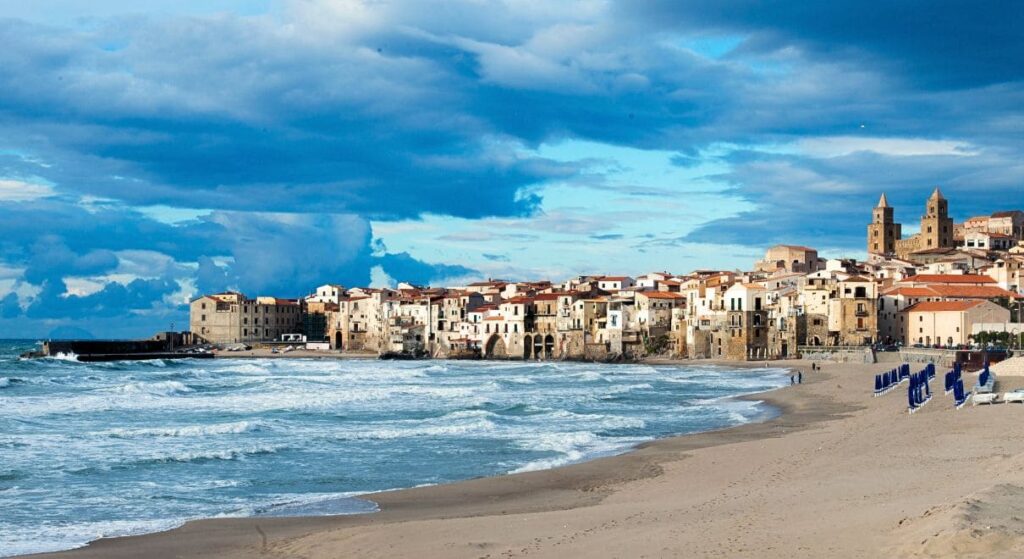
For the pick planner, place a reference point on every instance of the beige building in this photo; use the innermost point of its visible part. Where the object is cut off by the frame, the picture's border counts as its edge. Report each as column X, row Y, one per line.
column 948, row 323
column 789, row 259
column 231, row 317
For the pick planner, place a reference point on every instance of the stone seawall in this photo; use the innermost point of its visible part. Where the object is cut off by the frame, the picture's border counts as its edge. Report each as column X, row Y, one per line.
column 837, row 354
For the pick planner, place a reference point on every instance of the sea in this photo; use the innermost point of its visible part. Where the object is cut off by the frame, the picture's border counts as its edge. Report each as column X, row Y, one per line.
column 91, row 450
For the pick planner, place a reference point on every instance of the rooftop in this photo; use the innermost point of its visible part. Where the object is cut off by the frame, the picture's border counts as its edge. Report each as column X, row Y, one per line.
column 950, row 278
column 943, row 306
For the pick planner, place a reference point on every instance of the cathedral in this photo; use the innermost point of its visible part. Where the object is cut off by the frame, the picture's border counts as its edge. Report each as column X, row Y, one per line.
column 885, row 235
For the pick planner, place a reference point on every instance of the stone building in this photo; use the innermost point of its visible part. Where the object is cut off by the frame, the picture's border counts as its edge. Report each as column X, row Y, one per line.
column 853, row 313
column 936, row 229
column 883, row 232
column 789, row 259
column 231, row 317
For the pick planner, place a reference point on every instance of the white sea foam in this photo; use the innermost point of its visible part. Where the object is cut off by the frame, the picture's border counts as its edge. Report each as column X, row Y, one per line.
column 233, row 428
column 212, row 454
column 4, row 382
column 549, row 463
column 160, row 388
column 588, row 376
column 47, row 537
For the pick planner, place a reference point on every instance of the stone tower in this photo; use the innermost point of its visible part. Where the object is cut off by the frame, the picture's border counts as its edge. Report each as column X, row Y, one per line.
column 936, row 225
column 883, row 232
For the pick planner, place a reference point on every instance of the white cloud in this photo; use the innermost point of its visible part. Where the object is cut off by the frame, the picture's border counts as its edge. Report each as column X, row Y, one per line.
column 20, row 191
column 82, row 287
column 835, row 146
column 379, row 278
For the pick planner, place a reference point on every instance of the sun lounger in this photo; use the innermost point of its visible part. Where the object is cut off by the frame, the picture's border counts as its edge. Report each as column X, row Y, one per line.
column 959, row 398
column 986, row 383
column 1015, row 396
column 987, row 398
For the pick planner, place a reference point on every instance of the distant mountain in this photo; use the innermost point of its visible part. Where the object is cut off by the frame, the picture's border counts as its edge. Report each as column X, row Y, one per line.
column 70, row 333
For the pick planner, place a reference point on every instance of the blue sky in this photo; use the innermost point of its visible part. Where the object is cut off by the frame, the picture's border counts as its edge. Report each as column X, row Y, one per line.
column 150, row 151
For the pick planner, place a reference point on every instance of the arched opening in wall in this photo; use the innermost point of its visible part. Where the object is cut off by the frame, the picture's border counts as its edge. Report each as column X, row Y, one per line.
column 549, row 346
column 816, row 340
column 527, row 347
column 495, row 347
column 339, row 340
column 538, row 347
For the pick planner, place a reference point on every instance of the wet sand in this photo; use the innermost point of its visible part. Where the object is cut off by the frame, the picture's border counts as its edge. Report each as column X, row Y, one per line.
column 839, row 473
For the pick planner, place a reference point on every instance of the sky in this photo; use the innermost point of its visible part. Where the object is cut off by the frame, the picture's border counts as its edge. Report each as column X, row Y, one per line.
column 151, row 151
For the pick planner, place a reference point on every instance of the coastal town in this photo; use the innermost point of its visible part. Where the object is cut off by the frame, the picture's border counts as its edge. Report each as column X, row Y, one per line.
column 951, row 285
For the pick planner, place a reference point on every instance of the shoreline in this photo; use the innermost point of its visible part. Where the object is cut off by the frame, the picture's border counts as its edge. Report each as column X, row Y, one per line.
column 401, row 502
column 839, row 473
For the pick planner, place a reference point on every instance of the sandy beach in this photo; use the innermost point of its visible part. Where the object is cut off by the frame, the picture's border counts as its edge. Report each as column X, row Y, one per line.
column 839, row 473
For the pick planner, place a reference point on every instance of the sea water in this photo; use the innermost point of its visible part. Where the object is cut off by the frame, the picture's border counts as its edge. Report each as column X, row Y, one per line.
column 90, row 450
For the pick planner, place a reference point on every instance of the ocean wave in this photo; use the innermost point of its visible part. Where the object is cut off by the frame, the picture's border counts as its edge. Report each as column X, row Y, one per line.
column 475, row 427
column 587, row 376
column 623, row 389
column 518, row 380
column 61, row 356
column 160, row 388
column 559, row 442
column 236, row 427
column 6, row 382
column 246, row 369
column 549, row 463
column 208, row 455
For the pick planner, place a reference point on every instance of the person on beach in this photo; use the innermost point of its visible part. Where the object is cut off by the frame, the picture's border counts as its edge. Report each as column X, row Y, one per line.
column 800, row 377
column 791, row 381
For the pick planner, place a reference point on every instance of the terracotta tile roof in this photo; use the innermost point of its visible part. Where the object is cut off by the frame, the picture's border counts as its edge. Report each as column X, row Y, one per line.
column 949, row 278
column 973, row 291
column 613, row 278
column 520, row 300
column 911, row 292
column 799, row 247
column 943, row 306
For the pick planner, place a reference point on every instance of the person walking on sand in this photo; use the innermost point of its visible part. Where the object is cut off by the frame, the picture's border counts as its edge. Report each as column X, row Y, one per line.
column 791, row 380
column 799, row 377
